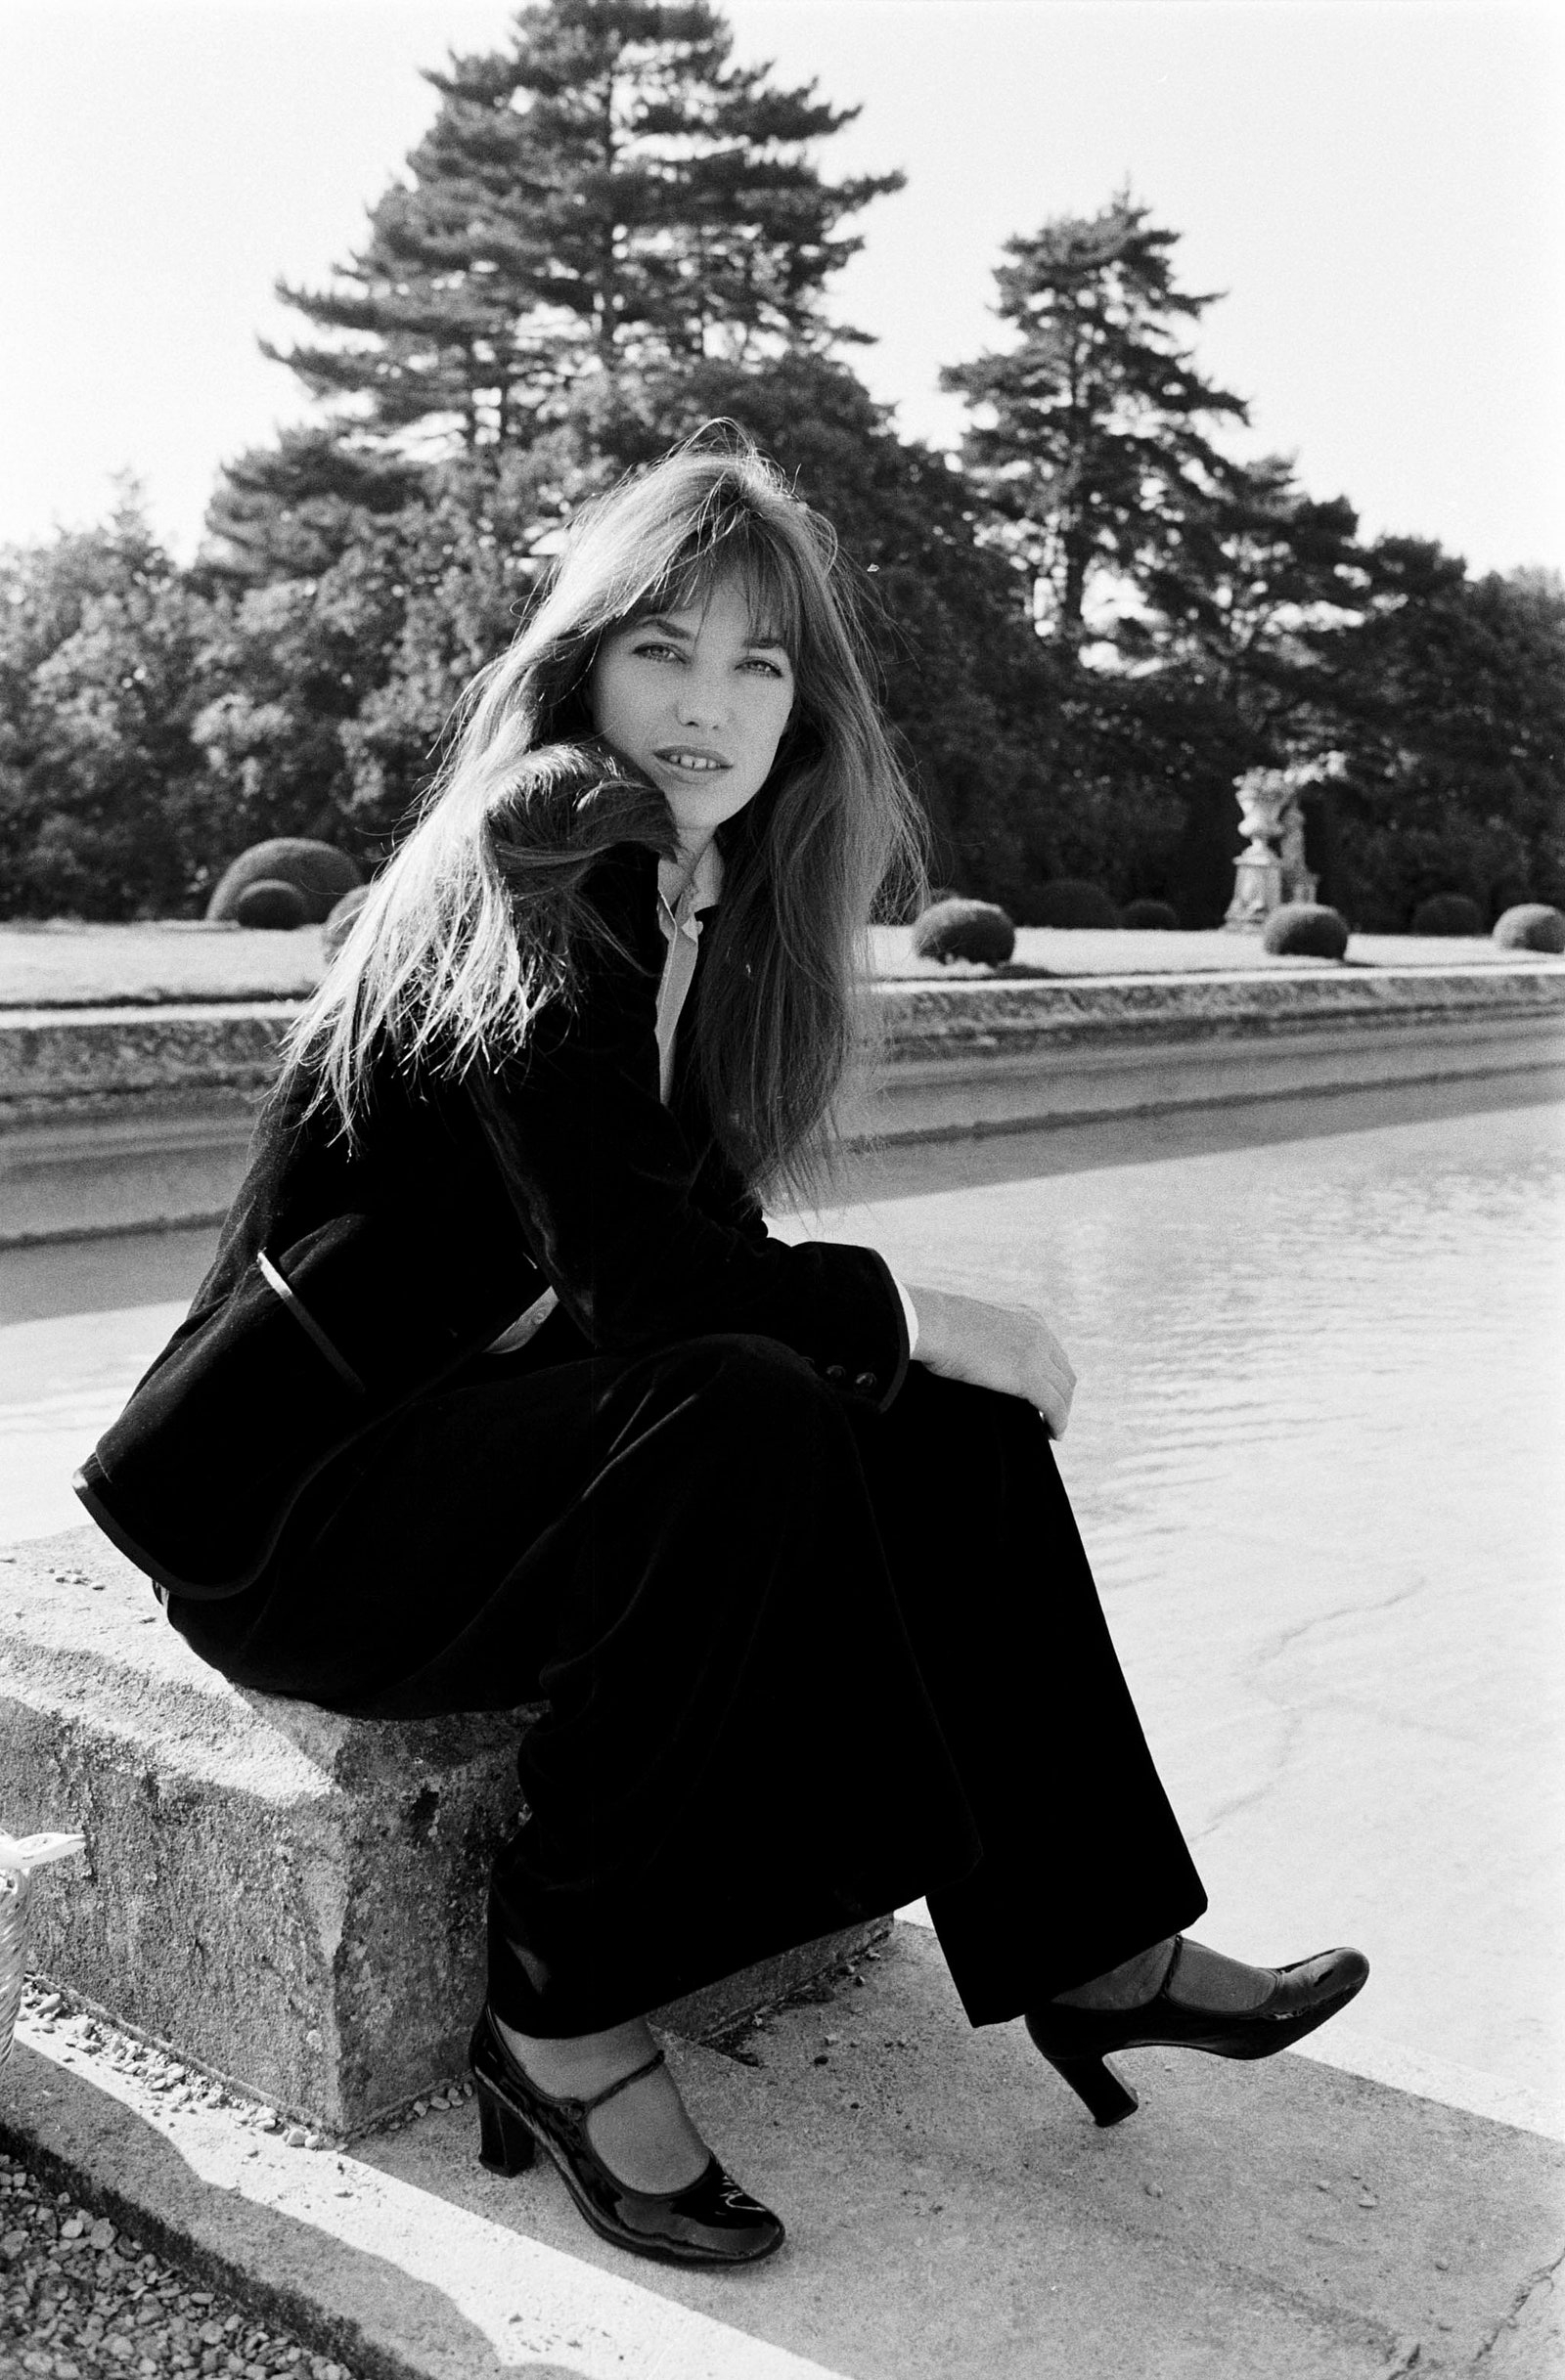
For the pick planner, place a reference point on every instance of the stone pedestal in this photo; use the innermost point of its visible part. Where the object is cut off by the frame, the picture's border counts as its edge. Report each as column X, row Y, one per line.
column 288, row 1899
column 1257, row 889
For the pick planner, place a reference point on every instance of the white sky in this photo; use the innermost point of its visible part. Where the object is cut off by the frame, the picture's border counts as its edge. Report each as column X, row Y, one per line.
column 1378, row 185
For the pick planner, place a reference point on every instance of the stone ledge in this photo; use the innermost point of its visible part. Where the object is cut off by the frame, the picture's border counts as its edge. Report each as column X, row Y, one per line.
column 52, row 1059
column 931, row 1018
column 951, row 2212
column 290, row 1899
column 119, row 1119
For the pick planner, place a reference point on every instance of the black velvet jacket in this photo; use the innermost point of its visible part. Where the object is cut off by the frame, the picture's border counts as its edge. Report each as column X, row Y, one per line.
column 349, row 1282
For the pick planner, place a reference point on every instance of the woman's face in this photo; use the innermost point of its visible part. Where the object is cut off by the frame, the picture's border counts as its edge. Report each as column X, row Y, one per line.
column 699, row 703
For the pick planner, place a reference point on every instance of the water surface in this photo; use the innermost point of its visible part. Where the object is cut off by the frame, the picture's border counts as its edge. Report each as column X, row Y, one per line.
column 1315, row 1455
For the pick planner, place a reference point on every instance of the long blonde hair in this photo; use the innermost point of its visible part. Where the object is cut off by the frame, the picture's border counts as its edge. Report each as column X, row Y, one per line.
column 475, row 925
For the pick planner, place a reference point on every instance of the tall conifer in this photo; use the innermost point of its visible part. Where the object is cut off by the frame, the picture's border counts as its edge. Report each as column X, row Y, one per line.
column 610, row 193
column 1093, row 445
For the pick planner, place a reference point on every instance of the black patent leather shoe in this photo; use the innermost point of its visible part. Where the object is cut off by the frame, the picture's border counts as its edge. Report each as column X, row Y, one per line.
column 710, row 2222
column 1076, row 2041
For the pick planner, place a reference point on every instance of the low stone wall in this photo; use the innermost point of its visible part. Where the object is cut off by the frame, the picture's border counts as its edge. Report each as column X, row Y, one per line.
column 291, row 1900
column 975, row 1057
column 127, row 1118
column 121, row 1119
column 928, row 1017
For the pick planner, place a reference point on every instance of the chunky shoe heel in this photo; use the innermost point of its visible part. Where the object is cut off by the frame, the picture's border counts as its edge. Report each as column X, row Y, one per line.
column 504, row 2144
column 1108, row 2098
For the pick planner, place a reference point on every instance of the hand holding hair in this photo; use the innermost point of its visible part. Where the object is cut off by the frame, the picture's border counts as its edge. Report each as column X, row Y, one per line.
column 1007, row 1347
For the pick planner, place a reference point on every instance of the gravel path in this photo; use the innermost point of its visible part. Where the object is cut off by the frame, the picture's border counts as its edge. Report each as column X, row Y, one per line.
column 79, row 2301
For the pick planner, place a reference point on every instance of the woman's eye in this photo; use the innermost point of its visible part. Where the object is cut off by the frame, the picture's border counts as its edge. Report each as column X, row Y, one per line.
column 757, row 661
column 656, row 650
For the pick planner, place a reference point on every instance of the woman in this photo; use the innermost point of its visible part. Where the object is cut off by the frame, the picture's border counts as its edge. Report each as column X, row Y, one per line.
column 532, row 1406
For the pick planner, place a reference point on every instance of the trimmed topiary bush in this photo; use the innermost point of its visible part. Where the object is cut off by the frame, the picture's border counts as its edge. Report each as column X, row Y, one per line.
column 1531, row 925
column 340, row 925
column 318, row 874
column 270, row 902
column 1447, row 913
column 1069, row 903
column 1150, row 917
column 1305, row 929
column 964, row 929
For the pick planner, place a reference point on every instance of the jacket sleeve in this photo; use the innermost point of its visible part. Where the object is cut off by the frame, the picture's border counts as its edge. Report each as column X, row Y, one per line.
column 603, row 1182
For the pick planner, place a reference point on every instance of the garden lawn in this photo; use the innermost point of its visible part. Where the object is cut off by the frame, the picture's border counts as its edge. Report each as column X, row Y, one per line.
column 61, row 963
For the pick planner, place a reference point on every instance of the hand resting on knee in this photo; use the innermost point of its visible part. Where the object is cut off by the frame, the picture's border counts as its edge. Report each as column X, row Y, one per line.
column 1007, row 1347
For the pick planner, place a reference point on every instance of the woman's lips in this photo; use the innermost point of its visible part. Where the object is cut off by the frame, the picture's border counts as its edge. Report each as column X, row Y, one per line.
column 692, row 760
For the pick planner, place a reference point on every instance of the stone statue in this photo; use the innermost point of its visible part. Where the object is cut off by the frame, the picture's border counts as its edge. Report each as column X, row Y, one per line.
column 1270, row 868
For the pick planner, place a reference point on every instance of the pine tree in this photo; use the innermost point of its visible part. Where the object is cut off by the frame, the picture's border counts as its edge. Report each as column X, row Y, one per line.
column 1095, row 456
column 610, row 193
column 290, row 511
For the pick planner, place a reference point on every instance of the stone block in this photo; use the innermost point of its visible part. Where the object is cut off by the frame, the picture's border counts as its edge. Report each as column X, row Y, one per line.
column 287, row 1898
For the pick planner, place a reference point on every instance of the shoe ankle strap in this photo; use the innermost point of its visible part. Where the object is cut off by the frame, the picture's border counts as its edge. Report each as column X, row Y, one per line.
column 624, row 2082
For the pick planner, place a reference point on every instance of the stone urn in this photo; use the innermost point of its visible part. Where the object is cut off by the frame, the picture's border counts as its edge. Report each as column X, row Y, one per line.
column 1270, row 868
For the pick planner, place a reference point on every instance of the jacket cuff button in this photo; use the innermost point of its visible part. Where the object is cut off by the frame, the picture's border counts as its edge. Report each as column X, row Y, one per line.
column 866, row 1382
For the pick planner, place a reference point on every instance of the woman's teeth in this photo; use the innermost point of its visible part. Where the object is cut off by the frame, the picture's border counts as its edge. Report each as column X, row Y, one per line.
column 695, row 761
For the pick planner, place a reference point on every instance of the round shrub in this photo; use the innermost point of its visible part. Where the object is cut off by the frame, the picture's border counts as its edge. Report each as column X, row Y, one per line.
column 964, row 929
column 1069, row 903
column 1150, row 916
column 1447, row 913
column 318, row 874
column 270, row 902
column 1305, row 929
column 340, row 925
column 1531, row 926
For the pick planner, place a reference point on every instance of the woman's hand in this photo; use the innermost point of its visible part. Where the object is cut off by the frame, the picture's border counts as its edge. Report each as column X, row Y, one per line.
column 1007, row 1347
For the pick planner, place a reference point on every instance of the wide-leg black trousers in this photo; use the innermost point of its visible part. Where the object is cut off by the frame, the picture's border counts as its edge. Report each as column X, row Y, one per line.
column 804, row 1661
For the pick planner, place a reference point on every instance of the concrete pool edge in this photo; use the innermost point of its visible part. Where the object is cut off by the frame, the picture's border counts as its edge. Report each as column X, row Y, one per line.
column 1346, row 2047
column 1494, row 2097
column 121, row 1119
column 1287, row 2219
column 971, row 1059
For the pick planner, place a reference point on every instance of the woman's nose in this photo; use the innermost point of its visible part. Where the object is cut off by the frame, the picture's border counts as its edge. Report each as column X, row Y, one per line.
column 700, row 702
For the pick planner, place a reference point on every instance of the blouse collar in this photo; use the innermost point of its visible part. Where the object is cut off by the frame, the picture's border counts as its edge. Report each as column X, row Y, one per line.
column 678, row 909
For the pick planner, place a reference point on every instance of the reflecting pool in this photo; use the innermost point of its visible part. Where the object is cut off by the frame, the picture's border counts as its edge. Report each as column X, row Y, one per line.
column 1315, row 1455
